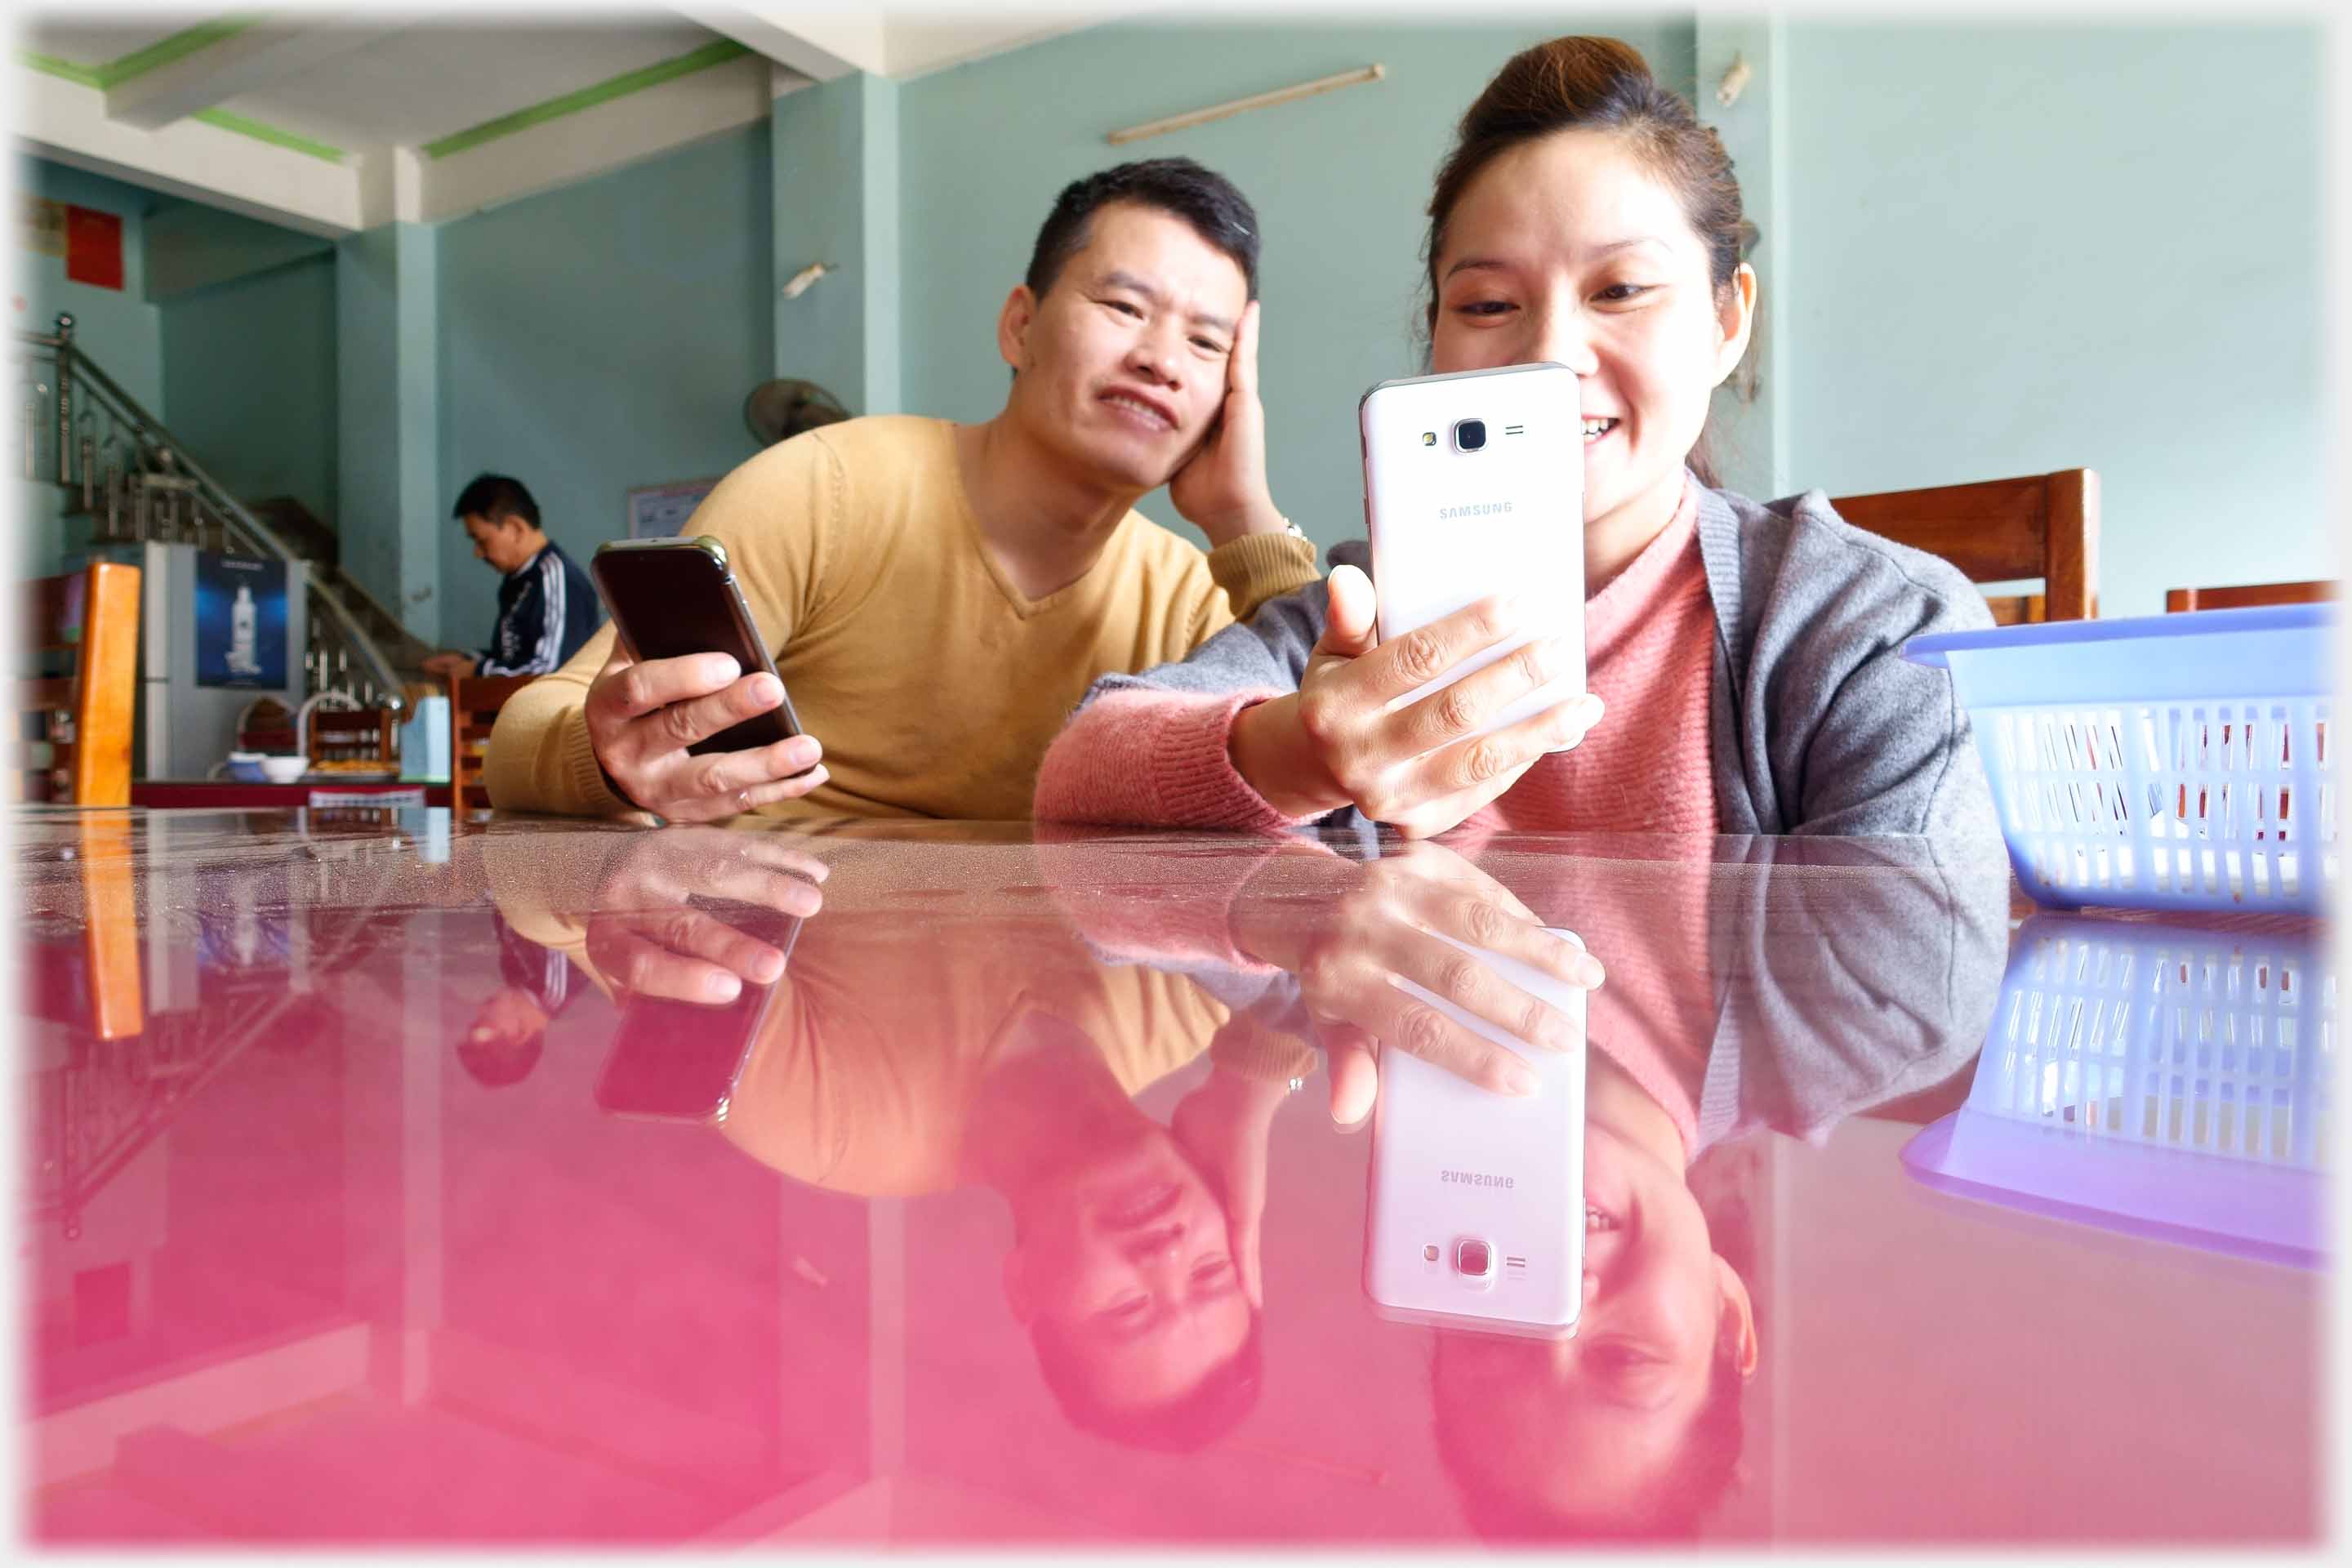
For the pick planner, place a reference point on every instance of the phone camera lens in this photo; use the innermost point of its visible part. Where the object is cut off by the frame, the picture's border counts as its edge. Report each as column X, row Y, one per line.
column 1474, row 1258
column 1470, row 435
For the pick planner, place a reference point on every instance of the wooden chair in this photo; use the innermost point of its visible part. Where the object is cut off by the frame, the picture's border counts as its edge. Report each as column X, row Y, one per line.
column 2247, row 595
column 474, row 704
column 91, row 618
column 1999, row 530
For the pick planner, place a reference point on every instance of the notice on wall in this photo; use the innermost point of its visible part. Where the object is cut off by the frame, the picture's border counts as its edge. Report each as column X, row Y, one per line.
column 662, row 511
column 93, row 248
column 40, row 224
column 240, row 622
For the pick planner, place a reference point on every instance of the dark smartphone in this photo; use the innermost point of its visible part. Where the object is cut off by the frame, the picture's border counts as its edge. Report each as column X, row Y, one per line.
column 675, row 1062
column 671, row 597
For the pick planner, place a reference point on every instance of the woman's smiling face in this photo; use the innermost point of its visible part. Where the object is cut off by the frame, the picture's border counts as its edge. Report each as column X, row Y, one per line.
column 1572, row 248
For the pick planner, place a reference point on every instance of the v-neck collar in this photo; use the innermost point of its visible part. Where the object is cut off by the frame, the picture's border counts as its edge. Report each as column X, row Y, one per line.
column 1023, row 606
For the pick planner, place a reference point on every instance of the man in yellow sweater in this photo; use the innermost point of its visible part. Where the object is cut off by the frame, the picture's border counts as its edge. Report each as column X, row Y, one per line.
column 937, row 596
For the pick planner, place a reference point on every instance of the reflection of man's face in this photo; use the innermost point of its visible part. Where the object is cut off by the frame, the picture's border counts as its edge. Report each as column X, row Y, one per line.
column 1583, row 1426
column 1127, row 1256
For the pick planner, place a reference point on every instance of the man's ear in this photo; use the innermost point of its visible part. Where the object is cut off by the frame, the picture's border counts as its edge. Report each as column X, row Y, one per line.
column 1017, row 1292
column 1735, row 1325
column 1013, row 325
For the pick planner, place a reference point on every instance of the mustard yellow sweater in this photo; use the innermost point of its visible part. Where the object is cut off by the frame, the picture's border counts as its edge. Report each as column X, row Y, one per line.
column 934, row 684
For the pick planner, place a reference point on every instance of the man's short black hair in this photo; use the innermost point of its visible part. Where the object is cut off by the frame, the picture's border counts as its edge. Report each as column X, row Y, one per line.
column 496, row 1063
column 1215, row 208
column 493, row 497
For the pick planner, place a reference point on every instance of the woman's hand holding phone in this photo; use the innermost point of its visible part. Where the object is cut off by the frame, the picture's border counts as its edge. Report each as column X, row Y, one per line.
column 1423, row 767
column 642, row 715
column 1377, row 923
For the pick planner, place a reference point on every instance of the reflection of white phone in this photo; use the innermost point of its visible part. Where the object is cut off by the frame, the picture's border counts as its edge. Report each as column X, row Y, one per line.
column 1475, row 1217
column 1474, row 484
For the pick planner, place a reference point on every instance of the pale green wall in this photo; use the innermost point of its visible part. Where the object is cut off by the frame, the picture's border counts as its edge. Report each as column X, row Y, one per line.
column 250, row 370
column 1340, row 182
column 2014, row 248
column 597, row 339
column 834, row 172
column 116, row 327
column 1997, row 249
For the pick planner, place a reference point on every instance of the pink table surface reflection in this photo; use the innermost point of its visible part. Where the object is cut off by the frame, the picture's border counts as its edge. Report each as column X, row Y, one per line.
column 395, row 1179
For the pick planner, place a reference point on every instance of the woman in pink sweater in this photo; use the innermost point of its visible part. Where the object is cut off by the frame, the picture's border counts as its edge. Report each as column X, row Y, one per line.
column 1749, row 652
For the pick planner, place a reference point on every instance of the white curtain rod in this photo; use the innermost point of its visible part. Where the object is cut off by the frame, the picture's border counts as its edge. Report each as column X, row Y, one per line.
column 1244, row 105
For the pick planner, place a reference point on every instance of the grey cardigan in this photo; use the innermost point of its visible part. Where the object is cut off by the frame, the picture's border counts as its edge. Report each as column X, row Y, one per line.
column 1819, row 725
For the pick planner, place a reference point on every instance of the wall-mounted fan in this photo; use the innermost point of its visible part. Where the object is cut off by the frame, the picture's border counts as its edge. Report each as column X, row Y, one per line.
column 779, row 410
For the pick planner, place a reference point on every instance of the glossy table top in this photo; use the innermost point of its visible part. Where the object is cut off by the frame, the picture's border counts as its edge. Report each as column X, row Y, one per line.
column 391, row 1179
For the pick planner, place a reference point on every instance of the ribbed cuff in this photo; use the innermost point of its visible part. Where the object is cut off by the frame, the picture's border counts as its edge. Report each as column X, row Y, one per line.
column 1190, row 766
column 1156, row 759
column 1261, row 566
column 583, row 775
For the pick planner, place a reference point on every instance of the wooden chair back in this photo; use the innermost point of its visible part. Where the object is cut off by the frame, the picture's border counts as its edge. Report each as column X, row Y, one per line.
column 90, row 620
column 111, row 930
column 2001, row 530
column 2248, row 595
column 474, row 704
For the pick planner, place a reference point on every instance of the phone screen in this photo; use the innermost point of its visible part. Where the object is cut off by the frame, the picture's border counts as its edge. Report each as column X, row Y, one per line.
column 678, row 1061
column 675, row 597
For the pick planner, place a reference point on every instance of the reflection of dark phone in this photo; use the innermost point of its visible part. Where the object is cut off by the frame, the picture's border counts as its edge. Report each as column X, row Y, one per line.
column 671, row 597
column 675, row 1062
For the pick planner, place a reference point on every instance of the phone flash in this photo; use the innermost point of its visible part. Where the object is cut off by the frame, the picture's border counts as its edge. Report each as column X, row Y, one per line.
column 1429, row 437
column 1429, row 1254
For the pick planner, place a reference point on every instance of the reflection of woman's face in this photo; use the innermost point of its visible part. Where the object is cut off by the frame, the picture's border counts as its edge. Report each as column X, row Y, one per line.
column 1582, row 1427
column 1569, row 248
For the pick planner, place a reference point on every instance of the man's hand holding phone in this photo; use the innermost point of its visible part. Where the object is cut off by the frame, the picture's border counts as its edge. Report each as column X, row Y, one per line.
column 1344, row 738
column 649, row 941
column 642, row 715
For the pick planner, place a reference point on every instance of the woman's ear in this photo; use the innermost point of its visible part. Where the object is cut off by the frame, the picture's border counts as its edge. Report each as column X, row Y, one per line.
column 1735, row 1323
column 1735, row 318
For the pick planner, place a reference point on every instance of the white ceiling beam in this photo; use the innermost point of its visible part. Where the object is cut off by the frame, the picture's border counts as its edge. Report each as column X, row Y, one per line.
column 262, row 56
column 821, row 46
column 66, row 124
column 580, row 146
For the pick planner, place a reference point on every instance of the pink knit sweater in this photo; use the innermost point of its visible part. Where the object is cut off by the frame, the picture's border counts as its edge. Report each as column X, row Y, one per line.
column 1162, row 758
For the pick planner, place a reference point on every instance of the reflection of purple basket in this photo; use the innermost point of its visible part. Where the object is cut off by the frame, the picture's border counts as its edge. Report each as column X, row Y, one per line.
column 2161, row 1080
column 2171, row 762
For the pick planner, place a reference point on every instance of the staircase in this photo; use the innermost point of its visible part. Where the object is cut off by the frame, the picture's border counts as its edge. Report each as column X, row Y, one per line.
column 121, row 469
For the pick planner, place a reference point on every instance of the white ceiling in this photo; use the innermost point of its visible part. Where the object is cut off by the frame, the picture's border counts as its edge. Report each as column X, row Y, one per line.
column 99, row 42
column 382, row 87
column 433, row 79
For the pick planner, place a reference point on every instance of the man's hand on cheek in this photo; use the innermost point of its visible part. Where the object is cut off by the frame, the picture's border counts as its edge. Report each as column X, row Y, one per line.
column 1221, row 488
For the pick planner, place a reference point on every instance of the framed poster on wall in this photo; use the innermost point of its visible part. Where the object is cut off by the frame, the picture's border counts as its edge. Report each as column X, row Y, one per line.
column 661, row 511
column 240, row 621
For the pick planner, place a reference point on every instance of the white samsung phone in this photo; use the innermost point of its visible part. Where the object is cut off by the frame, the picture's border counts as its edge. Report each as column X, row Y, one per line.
column 1475, row 1212
column 1474, row 484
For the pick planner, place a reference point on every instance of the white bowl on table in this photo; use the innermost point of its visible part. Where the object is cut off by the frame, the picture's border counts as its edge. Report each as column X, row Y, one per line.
column 284, row 770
